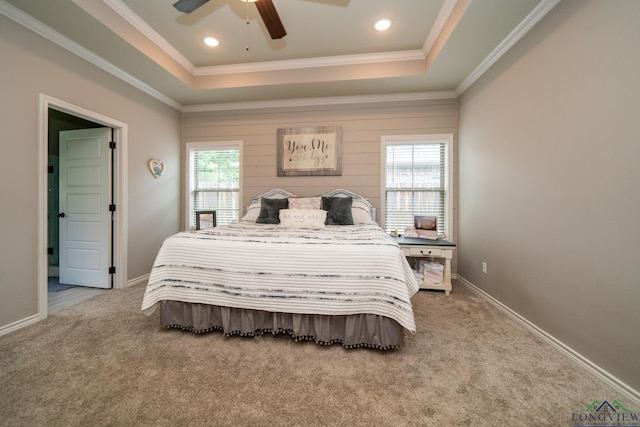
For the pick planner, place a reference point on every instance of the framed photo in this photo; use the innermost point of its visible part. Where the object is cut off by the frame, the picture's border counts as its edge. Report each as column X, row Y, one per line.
column 310, row 151
column 425, row 222
column 426, row 226
column 205, row 219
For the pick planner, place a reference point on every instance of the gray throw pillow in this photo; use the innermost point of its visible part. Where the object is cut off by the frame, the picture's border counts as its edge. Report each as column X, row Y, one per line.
column 338, row 210
column 270, row 210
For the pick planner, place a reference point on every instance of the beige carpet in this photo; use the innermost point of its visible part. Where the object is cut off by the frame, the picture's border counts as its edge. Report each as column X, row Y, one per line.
column 103, row 362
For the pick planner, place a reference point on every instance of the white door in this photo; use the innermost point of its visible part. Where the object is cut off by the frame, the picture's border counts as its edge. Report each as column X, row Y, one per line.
column 85, row 219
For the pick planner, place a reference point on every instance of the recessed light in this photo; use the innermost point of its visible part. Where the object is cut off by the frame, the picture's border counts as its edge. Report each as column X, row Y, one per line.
column 383, row 24
column 211, row 41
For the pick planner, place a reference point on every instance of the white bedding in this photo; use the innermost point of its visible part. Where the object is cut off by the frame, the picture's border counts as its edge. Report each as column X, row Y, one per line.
column 339, row 270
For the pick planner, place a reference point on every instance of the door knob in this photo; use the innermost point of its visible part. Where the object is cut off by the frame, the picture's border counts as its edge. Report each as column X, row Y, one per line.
column 61, row 215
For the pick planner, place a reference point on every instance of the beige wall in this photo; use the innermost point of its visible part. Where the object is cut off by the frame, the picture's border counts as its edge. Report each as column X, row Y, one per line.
column 548, row 152
column 30, row 66
column 362, row 129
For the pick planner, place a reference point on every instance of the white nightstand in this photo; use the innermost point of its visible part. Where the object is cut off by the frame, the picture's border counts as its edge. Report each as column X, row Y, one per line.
column 424, row 248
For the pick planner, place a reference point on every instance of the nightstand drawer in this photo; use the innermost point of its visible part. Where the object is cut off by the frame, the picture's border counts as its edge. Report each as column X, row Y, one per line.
column 422, row 251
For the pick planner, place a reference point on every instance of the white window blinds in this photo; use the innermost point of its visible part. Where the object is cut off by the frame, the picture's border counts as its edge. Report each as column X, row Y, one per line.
column 215, row 183
column 415, row 183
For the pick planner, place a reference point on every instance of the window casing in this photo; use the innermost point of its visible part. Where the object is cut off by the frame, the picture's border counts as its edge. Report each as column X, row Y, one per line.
column 416, row 180
column 214, row 173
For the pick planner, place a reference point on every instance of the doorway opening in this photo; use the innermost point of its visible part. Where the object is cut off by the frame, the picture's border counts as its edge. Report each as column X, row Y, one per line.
column 77, row 125
column 58, row 122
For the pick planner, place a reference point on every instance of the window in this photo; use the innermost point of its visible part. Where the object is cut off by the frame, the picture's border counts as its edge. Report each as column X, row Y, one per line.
column 416, row 181
column 214, row 181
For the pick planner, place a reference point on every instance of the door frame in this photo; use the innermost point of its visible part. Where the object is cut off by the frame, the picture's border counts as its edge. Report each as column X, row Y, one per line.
column 120, row 158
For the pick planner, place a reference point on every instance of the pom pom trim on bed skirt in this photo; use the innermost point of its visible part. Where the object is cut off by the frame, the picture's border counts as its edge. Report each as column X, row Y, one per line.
column 296, row 338
column 353, row 331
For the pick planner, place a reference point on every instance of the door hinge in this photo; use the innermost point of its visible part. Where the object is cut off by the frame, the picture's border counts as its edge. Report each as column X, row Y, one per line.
column 112, row 145
column 112, row 270
column 49, row 251
column 112, row 208
column 50, row 169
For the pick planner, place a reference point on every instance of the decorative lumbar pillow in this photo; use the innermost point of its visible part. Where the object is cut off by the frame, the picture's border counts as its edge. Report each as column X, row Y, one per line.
column 305, row 202
column 270, row 210
column 338, row 210
column 303, row 218
column 361, row 212
column 253, row 211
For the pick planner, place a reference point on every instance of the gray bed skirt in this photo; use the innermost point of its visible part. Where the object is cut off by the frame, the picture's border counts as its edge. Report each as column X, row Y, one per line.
column 359, row 330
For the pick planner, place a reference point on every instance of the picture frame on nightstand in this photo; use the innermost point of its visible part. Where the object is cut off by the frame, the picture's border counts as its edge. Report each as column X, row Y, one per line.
column 205, row 220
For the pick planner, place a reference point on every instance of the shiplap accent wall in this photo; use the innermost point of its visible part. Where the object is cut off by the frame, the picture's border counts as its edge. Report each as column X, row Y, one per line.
column 362, row 127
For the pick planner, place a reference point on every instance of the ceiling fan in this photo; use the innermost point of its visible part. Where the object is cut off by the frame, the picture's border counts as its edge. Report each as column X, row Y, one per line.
column 265, row 7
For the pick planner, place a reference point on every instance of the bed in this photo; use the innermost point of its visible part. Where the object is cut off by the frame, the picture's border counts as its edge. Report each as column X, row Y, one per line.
column 315, row 268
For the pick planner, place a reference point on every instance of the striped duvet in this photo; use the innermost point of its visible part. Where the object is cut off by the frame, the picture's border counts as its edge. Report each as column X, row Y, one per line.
column 339, row 270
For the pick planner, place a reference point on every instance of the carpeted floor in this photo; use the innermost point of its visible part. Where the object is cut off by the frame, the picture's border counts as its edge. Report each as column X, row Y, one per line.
column 104, row 363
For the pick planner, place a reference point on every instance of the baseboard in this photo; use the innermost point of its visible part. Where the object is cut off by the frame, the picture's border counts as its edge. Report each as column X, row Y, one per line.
column 19, row 324
column 11, row 327
column 618, row 385
column 137, row 281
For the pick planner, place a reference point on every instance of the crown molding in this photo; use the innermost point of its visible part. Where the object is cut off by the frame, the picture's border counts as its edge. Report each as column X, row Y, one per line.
column 443, row 16
column 298, row 64
column 139, row 24
column 514, row 36
column 294, row 64
column 63, row 41
column 326, row 101
column 59, row 39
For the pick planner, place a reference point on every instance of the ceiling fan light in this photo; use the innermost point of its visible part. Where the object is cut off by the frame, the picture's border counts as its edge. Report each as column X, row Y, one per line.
column 211, row 41
column 249, row 1
column 383, row 24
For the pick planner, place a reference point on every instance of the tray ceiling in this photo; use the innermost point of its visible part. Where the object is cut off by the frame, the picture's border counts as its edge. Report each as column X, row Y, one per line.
column 435, row 48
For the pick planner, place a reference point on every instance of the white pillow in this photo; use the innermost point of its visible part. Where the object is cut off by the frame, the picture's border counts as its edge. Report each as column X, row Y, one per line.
column 305, row 202
column 303, row 218
column 361, row 212
column 253, row 211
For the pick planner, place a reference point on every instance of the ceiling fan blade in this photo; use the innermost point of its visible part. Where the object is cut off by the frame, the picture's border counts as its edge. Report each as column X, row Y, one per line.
column 188, row 6
column 271, row 19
